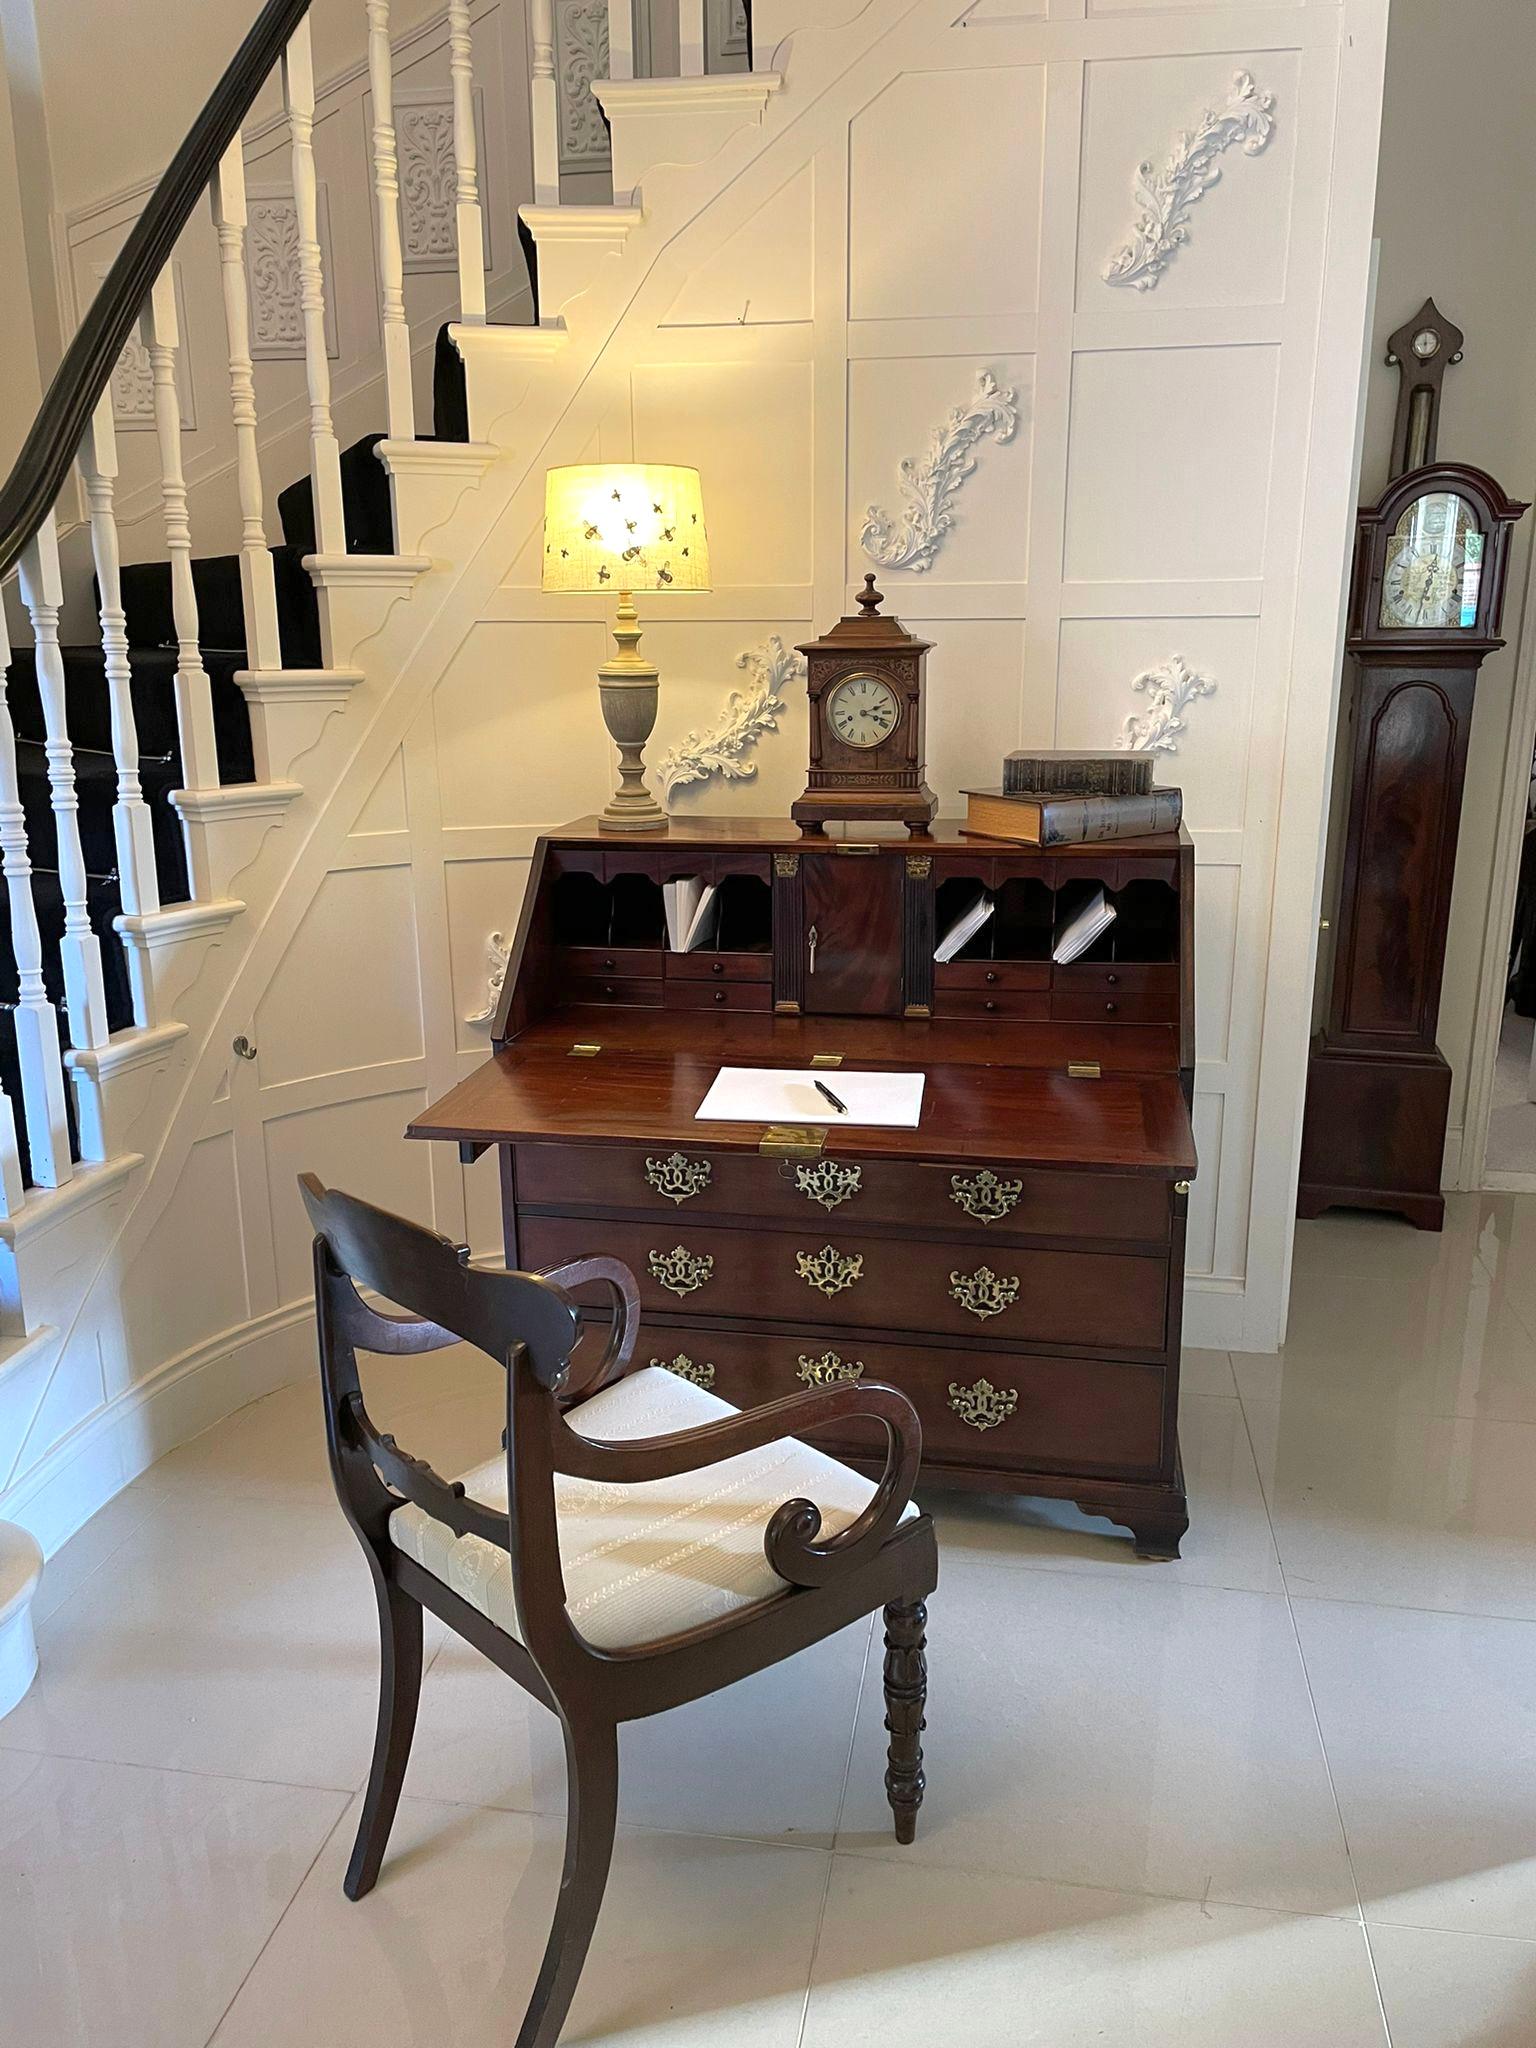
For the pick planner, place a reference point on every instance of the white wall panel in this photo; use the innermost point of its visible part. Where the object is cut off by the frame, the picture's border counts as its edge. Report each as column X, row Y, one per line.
column 353, row 1145
column 1170, row 460
column 895, row 405
column 188, row 1284
column 1238, row 234
column 762, row 275
column 951, row 229
column 347, row 994
column 748, row 428
column 385, row 810
column 518, row 734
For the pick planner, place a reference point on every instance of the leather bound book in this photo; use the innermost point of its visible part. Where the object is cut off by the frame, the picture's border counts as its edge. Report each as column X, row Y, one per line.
column 1064, row 772
column 1043, row 820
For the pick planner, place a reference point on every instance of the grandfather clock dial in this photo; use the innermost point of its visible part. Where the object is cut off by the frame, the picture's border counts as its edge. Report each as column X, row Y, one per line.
column 865, row 682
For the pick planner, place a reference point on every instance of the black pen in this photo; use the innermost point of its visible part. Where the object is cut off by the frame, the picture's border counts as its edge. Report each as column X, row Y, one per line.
column 840, row 1107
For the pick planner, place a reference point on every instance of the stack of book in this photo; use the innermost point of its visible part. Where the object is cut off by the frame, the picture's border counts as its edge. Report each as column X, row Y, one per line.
column 1063, row 798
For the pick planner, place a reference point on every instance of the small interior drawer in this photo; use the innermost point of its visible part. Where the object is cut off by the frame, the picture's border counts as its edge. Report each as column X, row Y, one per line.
column 1113, row 1005
column 615, row 988
column 703, row 966
column 1129, row 977
column 981, row 1002
column 591, row 962
column 991, row 975
column 718, row 995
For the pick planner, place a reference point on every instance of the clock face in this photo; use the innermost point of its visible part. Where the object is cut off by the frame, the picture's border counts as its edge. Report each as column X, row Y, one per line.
column 863, row 710
column 1434, row 565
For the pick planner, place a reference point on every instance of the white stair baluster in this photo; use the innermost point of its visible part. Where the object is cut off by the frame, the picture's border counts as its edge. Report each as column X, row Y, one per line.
column 545, row 107
column 42, row 591
column 400, row 408
column 12, row 1189
column 471, row 237
column 324, row 454
column 263, row 645
column 690, row 38
column 37, row 1026
column 131, row 823
column 621, row 38
column 194, row 698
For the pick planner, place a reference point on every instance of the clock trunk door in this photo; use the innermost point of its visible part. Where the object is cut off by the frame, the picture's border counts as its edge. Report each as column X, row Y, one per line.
column 853, row 908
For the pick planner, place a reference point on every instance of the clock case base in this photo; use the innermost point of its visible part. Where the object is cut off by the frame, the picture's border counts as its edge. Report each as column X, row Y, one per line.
column 1374, row 1136
column 914, row 808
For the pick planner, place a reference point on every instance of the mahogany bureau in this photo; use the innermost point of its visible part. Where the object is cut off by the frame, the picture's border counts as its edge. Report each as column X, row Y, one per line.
column 1015, row 1264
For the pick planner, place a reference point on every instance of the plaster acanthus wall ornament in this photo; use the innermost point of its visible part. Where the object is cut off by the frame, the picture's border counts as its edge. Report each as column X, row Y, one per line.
column 1165, row 196
column 272, row 256
column 1171, row 688
column 498, row 952
column 928, row 485
column 581, row 54
column 746, row 716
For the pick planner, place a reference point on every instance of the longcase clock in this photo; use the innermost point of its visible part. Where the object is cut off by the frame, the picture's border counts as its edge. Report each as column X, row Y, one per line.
column 1425, row 608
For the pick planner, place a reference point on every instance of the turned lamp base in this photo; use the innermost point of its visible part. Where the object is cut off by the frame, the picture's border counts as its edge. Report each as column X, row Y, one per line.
column 628, row 688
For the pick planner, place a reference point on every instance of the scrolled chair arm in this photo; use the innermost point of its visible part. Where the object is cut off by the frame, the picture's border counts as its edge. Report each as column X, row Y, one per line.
column 624, row 1317
column 791, row 1541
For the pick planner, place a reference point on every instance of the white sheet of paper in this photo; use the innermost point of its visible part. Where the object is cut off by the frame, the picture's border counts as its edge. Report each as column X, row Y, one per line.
column 789, row 1095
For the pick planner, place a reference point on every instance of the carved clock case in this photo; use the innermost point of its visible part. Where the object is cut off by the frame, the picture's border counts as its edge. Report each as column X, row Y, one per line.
column 1426, row 601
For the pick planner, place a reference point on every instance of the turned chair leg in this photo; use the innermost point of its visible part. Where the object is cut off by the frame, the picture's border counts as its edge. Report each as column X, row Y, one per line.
column 399, row 1691
column 906, row 1694
column 592, row 1802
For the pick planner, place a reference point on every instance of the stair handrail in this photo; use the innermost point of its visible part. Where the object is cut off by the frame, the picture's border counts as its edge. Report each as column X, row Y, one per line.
column 42, row 467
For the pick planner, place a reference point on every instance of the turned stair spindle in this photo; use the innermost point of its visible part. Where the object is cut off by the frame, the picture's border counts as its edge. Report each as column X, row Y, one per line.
column 42, row 591
column 471, row 236
column 545, row 106
column 324, row 450
column 132, row 827
column 258, row 590
column 399, row 406
column 194, row 698
column 43, row 1107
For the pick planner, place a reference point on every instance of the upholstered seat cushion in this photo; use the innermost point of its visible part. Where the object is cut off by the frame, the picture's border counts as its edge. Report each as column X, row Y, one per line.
column 644, row 1561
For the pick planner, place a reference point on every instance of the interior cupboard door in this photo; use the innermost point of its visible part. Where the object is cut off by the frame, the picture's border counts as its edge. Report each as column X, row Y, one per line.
column 852, row 935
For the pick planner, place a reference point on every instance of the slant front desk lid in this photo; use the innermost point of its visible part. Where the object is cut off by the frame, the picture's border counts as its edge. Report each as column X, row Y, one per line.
column 1126, row 1122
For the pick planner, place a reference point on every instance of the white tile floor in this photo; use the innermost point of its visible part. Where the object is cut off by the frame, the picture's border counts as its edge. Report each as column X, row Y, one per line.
column 1512, row 1119
column 1281, row 1794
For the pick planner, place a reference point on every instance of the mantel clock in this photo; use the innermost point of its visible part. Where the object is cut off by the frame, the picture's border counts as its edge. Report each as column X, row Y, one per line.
column 865, row 680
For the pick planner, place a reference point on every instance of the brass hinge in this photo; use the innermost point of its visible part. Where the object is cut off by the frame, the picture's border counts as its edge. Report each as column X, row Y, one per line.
column 584, row 1049
column 826, row 1059
column 792, row 1141
column 1082, row 1070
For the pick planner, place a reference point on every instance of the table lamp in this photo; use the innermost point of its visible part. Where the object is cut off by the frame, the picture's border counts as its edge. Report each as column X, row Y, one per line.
column 623, row 527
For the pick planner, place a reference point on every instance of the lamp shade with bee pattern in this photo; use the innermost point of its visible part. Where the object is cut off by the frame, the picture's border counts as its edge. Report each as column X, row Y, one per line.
column 624, row 526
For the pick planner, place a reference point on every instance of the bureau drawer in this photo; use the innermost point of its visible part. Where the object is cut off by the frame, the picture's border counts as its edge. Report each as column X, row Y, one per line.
column 614, row 988
column 979, row 1002
column 992, row 974
column 1122, row 977
column 718, row 966
column 1024, row 1411
column 1129, row 1009
column 781, row 1193
column 825, row 1273
column 722, row 995
column 594, row 962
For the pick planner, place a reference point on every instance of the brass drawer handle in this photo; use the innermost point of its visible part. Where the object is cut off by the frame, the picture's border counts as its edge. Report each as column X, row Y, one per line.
column 677, row 1177
column 984, row 1293
column 827, row 1182
column 701, row 1373
column 680, row 1271
column 985, row 1198
column 983, row 1406
column 829, row 1369
column 829, row 1270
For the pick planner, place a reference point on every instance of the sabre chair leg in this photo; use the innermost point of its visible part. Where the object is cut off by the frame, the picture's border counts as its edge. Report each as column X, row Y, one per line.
column 399, row 1691
column 592, row 1801
column 906, row 1694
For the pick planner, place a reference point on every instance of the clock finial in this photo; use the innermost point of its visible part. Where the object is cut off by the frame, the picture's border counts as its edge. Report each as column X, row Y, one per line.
column 870, row 599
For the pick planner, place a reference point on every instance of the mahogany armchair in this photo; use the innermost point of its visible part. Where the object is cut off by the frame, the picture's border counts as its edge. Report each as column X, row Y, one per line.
column 635, row 1544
